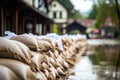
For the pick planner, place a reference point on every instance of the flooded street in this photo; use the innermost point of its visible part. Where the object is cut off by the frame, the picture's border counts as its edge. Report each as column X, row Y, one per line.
column 83, row 70
column 59, row 39
column 99, row 62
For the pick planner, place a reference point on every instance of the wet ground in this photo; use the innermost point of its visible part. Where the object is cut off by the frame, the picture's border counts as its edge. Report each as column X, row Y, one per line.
column 100, row 62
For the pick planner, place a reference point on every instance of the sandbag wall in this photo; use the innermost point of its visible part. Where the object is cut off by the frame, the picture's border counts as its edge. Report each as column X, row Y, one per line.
column 26, row 57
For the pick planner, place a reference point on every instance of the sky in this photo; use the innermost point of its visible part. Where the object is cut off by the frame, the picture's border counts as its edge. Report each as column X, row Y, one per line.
column 84, row 6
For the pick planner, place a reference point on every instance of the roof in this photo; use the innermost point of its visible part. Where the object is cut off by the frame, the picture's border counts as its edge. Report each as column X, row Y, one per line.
column 27, row 10
column 75, row 26
column 61, row 4
column 35, row 11
column 88, row 23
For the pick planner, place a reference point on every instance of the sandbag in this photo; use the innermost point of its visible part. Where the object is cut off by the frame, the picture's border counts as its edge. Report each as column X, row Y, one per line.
column 37, row 59
column 22, row 70
column 47, row 74
column 57, row 39
column 56, row 53
column 46, row 58
column 24, row 49
column 28, row 41
column 8, row 49
column 41, row 76
column 66, row 41
column 7, row 74
column 44, row 45
column 44, row 65
column 51, row 41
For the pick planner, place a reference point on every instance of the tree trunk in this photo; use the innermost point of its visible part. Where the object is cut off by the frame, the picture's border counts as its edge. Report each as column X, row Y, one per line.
column 118, row 60
column 118, row 12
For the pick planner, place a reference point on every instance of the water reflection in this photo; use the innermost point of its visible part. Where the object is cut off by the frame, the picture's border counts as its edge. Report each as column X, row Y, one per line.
column 104, row 54
column 83, row 70
column 98, row 66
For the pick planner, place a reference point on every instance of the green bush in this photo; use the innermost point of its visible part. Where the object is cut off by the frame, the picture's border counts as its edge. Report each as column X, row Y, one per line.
column 74, row 32
column 55, row 29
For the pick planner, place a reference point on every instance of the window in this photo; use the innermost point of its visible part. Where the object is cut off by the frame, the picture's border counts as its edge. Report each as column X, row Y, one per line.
column 8, row 23
column 54, row 5
column 60, row 14
column 54, row 14
column 40, row 3
column 33, row 2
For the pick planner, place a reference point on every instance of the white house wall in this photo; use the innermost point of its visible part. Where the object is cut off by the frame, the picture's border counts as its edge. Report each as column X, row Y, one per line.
column 36, row 3
column 57, row 9
column 30, row 2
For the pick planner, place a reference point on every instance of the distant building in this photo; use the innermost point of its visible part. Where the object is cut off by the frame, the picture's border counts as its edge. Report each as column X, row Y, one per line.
column 108, row 28
column 88, row 23
column 75, row 28
column 108, row 22
column 24, row 16
column 59, row 14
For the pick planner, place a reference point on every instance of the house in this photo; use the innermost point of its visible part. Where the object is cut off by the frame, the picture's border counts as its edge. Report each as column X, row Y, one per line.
column 75, row 28
column 108, row 28
column 22, row 16
column 89, row 23
column 59, row 14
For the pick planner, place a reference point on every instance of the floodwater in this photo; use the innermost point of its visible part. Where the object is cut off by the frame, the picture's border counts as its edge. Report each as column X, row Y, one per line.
column 100, row 62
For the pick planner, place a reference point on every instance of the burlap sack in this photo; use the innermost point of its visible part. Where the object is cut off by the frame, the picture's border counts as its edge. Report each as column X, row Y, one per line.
column 66, row 41
column 28, row 41
column 37, row 58
column 7, row 74
column 46, row 58
column 23, row 71
column 44, row 45
column 24, row 49
column 41, row 76
column 8, row 49
column 51, row 41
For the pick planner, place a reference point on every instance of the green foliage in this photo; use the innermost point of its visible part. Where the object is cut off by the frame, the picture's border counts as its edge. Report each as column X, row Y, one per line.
column 67, row 4
column 93, row 13
column 72, row 13
column 93, row 59
column 118, row 37
column 99, row 55
column 114, row 58
column 74, row 32
column 105, row 10
column 97, row 24
column 77, row 15
column 55, row 29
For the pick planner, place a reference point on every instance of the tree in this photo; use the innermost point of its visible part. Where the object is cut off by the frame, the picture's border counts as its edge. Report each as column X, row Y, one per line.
column 93, row 13
column 72, row 13
column 68, row 5
column 77, row 15
column 114, row 9
column 117, row 8
column 106, row 9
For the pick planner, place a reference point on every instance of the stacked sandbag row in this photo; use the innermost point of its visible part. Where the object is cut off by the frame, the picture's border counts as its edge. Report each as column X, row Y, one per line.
column 73, row 48
column 15, row 60
column 24, row 57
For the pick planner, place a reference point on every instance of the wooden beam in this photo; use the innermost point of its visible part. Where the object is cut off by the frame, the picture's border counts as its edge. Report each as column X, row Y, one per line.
column 2, row 23
column 23, row 24
column 43, row 28
column 15, row 21
column 34, row 25
column 51, row 28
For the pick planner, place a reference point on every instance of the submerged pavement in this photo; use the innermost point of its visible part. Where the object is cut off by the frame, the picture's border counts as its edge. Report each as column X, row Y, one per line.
column 86, row 70
column 103, row 42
